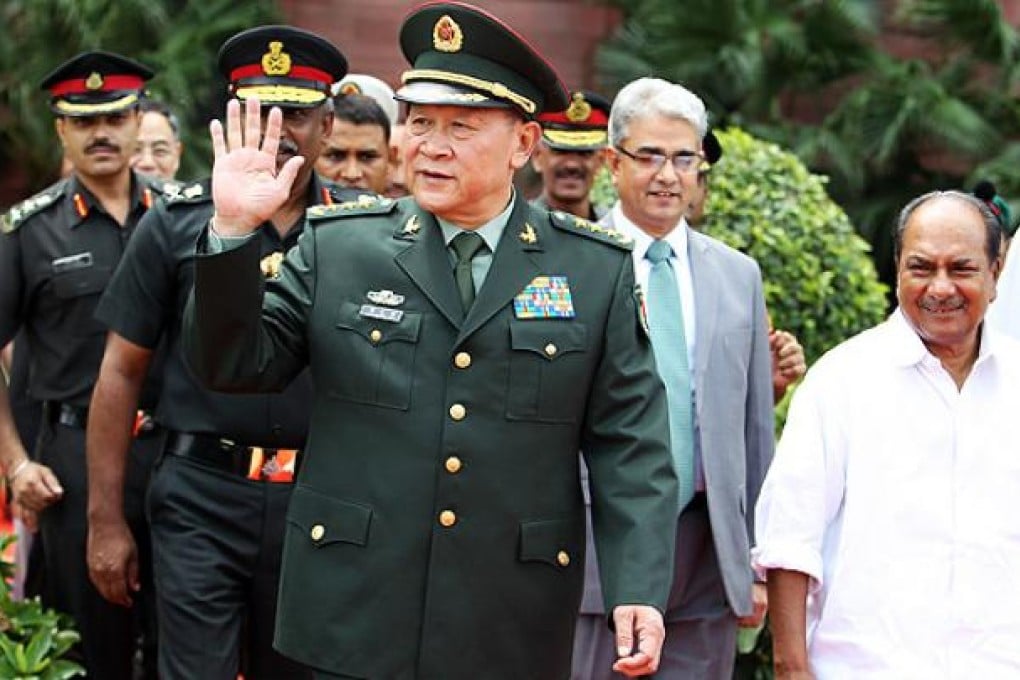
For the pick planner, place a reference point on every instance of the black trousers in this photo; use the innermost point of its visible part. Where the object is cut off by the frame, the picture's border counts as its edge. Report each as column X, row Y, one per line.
column 109, row 633
column 217, row 548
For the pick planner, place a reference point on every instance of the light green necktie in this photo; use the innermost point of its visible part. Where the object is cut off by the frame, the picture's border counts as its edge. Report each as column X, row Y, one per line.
column 669, row 342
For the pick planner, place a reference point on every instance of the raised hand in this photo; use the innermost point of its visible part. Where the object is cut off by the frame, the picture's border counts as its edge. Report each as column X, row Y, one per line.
column 247, row 187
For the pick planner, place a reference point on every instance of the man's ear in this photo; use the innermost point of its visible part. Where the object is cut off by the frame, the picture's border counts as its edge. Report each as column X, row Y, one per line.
column 538, row 158
column 528, row 134
column 58, row 125
column 612, row 158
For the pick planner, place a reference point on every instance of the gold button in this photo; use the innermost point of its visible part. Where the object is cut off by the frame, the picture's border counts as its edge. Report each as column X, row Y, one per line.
column 375, row 335
column 453, row 465
column 318, row 531
column 457, row 411
column 447, row 518
column 563, row 558
column 550, row 349
column 462, row 360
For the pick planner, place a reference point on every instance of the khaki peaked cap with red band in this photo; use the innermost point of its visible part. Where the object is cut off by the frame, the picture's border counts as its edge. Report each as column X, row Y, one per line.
column 281, row 66
column 95, row 83
column 461, row 55
column 582, row 126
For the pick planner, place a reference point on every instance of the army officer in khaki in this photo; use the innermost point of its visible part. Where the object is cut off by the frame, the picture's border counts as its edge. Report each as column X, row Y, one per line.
column 464, row 346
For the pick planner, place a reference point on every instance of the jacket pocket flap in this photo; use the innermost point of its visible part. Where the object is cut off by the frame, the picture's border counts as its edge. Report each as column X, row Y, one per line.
column 551, row 541
column 549, row 339
column 380, row 331
column 77, row 282
column 326, row 520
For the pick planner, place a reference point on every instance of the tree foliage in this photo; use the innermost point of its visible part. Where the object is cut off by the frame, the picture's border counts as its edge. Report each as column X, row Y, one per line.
column 177, row 38
column 815, row 77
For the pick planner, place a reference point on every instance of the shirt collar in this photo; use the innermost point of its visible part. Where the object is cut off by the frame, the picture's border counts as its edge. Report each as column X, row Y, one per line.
column 490, row 232
column 83, row 202
column 677, row 238
column 908, row 349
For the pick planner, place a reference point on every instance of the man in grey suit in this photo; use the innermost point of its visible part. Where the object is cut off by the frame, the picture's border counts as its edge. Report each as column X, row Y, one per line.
column 707, row 321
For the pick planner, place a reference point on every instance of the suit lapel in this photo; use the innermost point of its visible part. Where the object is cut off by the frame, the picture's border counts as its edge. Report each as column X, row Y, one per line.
column 514, row 265
column 426, row 263
column 706, row 283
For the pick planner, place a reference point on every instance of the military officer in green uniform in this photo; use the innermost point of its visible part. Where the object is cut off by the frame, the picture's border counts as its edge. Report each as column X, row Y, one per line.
column 571, row 153
column 58, row 251
column 464, row 346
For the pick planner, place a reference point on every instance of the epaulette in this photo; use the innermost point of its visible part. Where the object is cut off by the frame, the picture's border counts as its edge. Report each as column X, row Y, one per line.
column 365, row 204
column 583, row 227
column 17, row 215
column 178, row 193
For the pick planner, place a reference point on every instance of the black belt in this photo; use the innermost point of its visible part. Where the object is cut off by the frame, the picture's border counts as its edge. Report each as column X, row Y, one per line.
column 227, row 456
column 67, row 414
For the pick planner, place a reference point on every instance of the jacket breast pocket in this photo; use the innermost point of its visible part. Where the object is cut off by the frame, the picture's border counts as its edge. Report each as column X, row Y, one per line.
column 78, row 291
column 378, row 358
column 547, row 360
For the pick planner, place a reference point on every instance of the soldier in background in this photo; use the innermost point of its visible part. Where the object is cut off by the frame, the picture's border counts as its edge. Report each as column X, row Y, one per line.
column 571, row 153
column 58, row 250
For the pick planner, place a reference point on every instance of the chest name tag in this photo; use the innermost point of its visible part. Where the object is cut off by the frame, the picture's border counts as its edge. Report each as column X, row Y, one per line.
column 71, row 262
column 546, row 297
column 381, row 313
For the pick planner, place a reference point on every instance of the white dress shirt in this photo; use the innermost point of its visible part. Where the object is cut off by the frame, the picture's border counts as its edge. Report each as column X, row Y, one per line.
column 896, row 493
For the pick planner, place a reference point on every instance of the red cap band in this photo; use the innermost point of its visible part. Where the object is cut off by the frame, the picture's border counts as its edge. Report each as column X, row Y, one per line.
column 597, row 118
column 110, row 84
column 298, row 72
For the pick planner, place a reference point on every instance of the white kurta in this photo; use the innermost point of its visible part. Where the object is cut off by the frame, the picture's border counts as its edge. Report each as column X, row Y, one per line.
column 896, row 494
column 1004, row 313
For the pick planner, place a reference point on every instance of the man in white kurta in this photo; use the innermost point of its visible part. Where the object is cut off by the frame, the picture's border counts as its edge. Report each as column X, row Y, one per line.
column 885, row 523
column 1004, row 313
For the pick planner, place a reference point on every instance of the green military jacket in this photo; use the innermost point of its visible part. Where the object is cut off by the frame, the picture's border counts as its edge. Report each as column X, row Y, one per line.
column 437, row 526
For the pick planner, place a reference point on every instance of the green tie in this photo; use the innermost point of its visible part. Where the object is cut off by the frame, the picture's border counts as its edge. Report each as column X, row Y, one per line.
column 669, row 343
column 466, row 245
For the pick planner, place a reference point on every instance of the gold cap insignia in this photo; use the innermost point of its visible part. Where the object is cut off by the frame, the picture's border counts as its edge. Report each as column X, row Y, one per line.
column 94, row 81
column 446, row 35
column 579, row 109
column 276, row 62
column 350, row 88
column 528, row 235
column 270, row 265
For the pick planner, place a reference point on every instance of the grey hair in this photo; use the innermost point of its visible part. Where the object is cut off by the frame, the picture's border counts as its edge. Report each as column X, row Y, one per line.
column 655, row 96
column 993, row 232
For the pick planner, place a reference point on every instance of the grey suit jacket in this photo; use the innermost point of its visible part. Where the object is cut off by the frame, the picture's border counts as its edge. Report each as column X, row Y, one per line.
column 733, row 410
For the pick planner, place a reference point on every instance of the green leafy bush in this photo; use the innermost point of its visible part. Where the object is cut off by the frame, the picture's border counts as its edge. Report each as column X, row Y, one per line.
column 32, row 639
column 820, row 283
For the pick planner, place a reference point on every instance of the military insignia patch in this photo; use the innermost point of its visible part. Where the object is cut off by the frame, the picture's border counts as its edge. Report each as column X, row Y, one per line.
column 350, row 88
column 446, row 35
column 270, row 265
column 194, row 191
column 94, row 81
column 528, row 234
column 579, row 109
column 546, row 297
column 276, row 62
column 385, row 297
column 412, row 226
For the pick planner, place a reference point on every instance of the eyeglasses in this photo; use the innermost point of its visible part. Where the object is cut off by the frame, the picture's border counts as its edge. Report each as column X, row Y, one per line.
column 683, row 161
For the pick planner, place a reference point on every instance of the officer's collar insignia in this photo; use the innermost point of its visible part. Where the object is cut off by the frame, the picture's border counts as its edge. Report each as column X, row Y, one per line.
column 412, row 226
column 81, row 206
column 350, row 88
column 194, row 191
column 579, row 109
column 528, row 234
column 270, row 265
column 276, row 62
column 94, row 81
column 446, row 35
column 385, row 297
column 171, row 190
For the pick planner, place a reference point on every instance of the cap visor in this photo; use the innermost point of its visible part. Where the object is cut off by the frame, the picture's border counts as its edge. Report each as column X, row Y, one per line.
column 422, row 92
column 282, row 95
column 64, row 107
column 575, row 140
